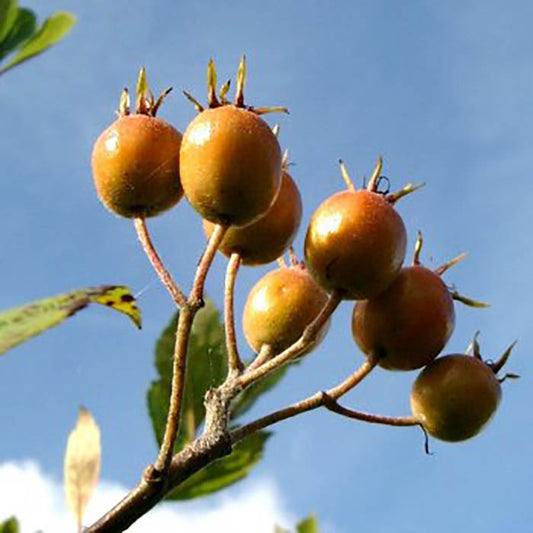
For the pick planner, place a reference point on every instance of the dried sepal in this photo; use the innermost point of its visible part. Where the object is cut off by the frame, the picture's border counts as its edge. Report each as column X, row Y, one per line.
column 440, row 270
column 197, row 105
column 141, row 93
column 418, row 248
column 124, row 108
column 467, row 301
column 212, row 99
column 498, row 365
column 223, row 92
column 241, row 79
column 408, row 189
column 376, row 174
column 346, row 176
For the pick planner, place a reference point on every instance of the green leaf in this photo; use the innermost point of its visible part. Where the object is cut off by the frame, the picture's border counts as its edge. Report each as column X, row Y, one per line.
column 53, row 30
column 8, row 15
column 225, row 471
column 21, row 323
column 308, row 525
column 9, row 526
column 22, row 29
column 207, row 368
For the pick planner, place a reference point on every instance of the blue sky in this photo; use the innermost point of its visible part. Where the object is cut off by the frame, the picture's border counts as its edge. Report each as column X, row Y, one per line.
column 441, row 90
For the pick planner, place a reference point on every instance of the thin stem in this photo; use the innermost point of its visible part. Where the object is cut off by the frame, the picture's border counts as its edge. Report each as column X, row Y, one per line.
column 164, row 275
column 308, row 404
column 205, row 263
column 264, row 354
column 332, row 405
column 307, row 338
column 293, row 258
column 179, row 367
column 234, row 361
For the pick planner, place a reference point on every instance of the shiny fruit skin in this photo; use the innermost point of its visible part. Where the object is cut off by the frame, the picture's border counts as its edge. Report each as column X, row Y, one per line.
column 264, row 240
column 230, row 165
column 135, row 164
column 355, row 244
column 455, row 396
column 407, row 325
column 280, row 306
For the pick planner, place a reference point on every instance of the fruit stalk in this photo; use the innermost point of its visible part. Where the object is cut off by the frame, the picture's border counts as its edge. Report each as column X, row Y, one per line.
column 163, row 274
column 235, row 365
column 402, row 421
column 318, row 399
column 179, row 367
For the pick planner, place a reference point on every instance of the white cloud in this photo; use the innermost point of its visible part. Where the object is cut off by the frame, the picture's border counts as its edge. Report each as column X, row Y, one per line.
column 38, row 503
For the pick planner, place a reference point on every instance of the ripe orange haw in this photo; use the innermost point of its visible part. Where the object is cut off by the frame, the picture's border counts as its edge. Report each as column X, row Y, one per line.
column 265, row 239
column 356, row 241
column 135, row 163
column 406, row 326
column 230, row 161
column 280, row 306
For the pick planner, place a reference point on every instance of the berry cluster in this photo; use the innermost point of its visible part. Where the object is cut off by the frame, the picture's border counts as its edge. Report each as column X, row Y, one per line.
column 230, row 167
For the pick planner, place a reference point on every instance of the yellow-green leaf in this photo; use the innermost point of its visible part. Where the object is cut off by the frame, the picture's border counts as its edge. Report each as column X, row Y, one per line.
column 52, row 30
column 21, row 30
column 8, row 15
column 82, row 464
column 9, row 526
column 308, row 525
column 21, row 323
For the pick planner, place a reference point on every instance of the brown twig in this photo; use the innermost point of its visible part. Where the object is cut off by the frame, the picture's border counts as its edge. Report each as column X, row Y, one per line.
column 212, row 445
column 179, row 365
column 235, row 364
column 308, row 404
column 402, row 421
column 164, row 275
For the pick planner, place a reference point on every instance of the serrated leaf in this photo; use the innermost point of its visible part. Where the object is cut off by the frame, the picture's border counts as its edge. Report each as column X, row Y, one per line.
column 8, row 15
column 21, row 30
column 308, row 525
column 225, row 471
column 52, row 31
column 207, row 368
column 82, row 464
column 11, row 525
column 21, row 323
